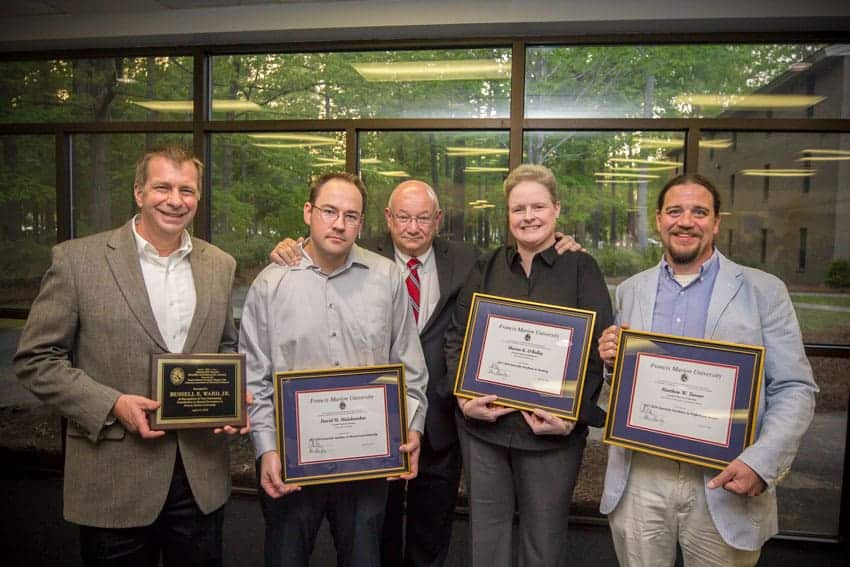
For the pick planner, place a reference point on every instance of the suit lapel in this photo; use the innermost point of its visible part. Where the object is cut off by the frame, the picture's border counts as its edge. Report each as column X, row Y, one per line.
column 123, row 259
column 202, row 274
column 445, row 273
column 386, row 248
column 647, row 290
column 728, row 282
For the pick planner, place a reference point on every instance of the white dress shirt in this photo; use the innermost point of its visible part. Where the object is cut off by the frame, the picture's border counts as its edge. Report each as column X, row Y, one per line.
column 429, row 283
column 171, row 288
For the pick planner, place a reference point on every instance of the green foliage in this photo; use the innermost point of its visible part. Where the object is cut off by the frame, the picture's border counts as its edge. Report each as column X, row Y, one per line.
column 257, row 192
column 22, row 264
column 838, row 274
column 617, row 261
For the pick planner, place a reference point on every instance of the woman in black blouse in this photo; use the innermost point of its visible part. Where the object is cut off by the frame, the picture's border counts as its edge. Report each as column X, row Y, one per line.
column 520, row 461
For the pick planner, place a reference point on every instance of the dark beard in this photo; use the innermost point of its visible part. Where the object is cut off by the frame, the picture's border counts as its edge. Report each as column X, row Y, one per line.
column 683, row 258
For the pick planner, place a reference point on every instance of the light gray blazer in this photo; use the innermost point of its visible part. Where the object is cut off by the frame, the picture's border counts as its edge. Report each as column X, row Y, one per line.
column 752, row 307
column 88, row 340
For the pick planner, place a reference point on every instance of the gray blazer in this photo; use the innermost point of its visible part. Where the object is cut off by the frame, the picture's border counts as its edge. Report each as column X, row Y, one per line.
column 752, row 307
column 88, row 340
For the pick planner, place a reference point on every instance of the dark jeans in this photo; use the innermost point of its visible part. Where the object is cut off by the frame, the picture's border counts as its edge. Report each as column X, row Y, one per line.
column 181, row 533
column 355, row 512
column 419, row 534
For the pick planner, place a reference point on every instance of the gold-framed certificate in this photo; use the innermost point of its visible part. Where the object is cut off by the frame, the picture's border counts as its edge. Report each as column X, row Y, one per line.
column 198, row 390
column 686, row 399
column 341, row 424
column 530, row 355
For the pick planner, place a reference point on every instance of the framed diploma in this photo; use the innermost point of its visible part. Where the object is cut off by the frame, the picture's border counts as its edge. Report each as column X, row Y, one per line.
column 341, row 424
column 530, row 355
column 686, row 399
column 198, row 390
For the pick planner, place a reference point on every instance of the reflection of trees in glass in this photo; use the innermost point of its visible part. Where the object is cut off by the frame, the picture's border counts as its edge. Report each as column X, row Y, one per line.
column 463, row 167
column 27, row 213
column 83, row 90
column 103, row 172
column 645, row 81
column 99, row 90
column 259, row 186
column 327, row 85
column 642, row 81
column 597, row 209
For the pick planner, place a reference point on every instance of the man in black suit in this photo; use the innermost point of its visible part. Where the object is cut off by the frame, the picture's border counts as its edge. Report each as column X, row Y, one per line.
column 413, row 218
column 435, row 270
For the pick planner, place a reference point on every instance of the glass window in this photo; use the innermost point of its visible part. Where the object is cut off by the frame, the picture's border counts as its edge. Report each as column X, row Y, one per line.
column 608, row 183
column 773, row 236
column 260, row 182
column 466, row 169
column 447, row 83
column 27, row 215
column 104, row 166
column 708, row 80
column 810, row 496
column 101, row 90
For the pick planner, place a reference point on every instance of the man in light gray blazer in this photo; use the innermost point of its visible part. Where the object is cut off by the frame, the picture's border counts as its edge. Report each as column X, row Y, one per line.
column 652, row 502
column 106, row 303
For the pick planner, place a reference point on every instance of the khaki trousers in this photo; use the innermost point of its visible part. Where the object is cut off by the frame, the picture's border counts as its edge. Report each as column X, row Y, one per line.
column 664, row 504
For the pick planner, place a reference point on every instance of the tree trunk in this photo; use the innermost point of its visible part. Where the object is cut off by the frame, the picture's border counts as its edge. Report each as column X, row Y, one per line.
column 10, row 213
column 101, row 89
column 642, row 216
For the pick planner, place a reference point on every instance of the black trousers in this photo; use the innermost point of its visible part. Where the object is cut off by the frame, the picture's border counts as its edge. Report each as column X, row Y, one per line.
column 181, row 534
column 421, row 537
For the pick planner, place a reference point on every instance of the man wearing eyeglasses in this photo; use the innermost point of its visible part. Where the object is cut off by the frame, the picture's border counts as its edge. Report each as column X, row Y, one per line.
column 435, row 270
column 340, row 306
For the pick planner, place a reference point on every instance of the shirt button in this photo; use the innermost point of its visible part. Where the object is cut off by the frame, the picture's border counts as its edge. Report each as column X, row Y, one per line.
column 678, row 319
column 333, row 334
column 330, row 305
column 336, row 363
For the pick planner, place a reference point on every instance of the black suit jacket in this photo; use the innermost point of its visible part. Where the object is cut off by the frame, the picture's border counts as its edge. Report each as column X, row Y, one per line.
column 454, row 263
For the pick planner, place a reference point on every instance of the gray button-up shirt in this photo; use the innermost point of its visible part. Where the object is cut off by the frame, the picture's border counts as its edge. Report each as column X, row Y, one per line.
column 298, row 318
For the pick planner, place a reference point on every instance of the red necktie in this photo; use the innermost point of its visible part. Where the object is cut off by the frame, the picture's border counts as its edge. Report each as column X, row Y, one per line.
column 413, row 286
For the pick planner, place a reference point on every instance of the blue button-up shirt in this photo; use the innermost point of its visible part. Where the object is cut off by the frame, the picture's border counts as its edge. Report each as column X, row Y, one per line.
column 681, row 310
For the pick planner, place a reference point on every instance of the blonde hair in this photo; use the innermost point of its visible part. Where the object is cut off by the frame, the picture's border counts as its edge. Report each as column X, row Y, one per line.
column 530, row 172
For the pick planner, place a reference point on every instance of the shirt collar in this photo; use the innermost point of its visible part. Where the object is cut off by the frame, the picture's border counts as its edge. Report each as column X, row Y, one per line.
column 145, row 248
column 355, row 256
column 548, row 256
column 709, row 266
column 424, row 259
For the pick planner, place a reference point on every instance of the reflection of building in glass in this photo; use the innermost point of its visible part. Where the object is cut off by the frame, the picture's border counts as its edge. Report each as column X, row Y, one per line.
column 786, row 195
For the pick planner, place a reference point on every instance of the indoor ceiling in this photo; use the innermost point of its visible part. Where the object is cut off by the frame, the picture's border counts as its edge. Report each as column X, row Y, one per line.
column 28, row 8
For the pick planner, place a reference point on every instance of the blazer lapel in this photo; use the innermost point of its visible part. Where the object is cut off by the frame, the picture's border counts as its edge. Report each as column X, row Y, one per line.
column 123, row 259
column 445, row 273
column 202, row 274
column 646, row 292
column 728, row 282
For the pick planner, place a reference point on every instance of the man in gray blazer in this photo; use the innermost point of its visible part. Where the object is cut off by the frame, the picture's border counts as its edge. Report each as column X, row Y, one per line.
column 652, row 502
column 107, row 302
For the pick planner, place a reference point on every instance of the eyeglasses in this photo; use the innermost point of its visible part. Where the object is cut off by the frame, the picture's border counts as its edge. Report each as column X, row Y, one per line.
column 330, row 214
column 421, row 220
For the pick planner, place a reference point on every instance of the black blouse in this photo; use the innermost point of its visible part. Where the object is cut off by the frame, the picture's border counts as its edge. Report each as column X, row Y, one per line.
column 571, row 280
